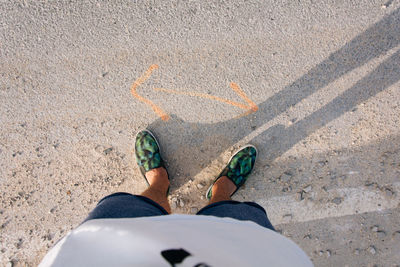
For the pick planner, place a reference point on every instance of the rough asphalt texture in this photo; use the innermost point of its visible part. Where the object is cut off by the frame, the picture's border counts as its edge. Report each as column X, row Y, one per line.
column 324, row 74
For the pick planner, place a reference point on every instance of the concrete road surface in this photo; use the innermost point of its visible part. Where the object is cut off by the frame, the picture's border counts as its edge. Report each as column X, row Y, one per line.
column 313, row 84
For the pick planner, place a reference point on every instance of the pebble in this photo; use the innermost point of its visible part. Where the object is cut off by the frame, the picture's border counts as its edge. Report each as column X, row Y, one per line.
column 328, row 253
column 287, row 189
column 307, row 188
column 396, row 234
column 370, row 185
column 52, row 209
column 337, row 200
column 381, row 234
column 374, row 228
column 181, row 203
column 307, row 236
column 193, row 210
column 173, row 205
column 372, row 250
column 10, row 264
column 322, row 163
column 107, row 151
column 300, row 196
column 200, row 186
column 389, row 192
column 356, row 251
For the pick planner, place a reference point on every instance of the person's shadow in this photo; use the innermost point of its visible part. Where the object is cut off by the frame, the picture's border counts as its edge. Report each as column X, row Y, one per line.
column 273, row 142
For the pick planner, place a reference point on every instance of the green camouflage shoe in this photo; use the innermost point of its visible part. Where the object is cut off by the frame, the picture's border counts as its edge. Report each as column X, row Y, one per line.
column 147, row 152
column 239, row 168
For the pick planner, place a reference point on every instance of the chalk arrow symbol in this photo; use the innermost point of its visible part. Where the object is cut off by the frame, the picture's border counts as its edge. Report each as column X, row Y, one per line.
column 250, row 106
column 159, row 111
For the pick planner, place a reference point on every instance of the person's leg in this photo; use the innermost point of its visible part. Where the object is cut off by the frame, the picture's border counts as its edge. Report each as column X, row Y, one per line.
column 159, row 184
column 152, row 167
column 228, row 182
column 125, row 205
column 221, row 205
column 152, row 202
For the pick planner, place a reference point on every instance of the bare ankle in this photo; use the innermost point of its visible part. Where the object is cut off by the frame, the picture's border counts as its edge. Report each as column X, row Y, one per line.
column 158, row 179
column 224, row 185
column 222, row 190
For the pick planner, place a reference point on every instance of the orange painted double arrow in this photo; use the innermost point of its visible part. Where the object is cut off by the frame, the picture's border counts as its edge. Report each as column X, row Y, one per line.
column 250, row 107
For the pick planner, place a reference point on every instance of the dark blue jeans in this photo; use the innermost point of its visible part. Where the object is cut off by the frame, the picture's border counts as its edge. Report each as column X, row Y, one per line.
column 125, row 205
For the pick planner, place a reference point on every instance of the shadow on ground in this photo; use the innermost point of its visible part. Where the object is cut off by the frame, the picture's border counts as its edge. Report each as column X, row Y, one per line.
column 208, row 141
